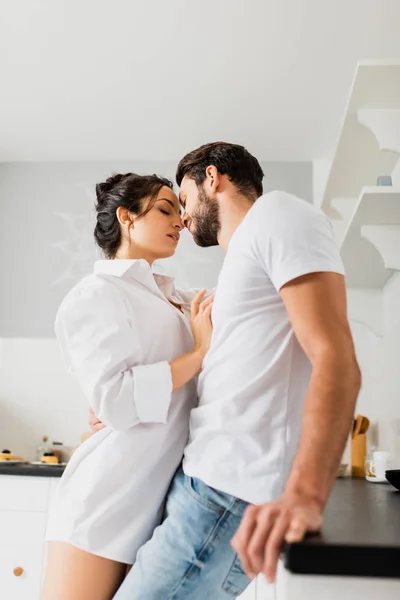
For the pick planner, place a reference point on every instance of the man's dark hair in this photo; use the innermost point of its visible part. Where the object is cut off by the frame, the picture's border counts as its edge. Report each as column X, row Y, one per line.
column 242, row 168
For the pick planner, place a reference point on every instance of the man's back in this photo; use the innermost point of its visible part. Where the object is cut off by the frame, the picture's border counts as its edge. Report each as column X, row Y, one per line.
column 245, row 431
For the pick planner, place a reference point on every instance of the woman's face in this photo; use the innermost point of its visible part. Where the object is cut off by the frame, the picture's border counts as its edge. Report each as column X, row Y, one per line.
column 156, row 234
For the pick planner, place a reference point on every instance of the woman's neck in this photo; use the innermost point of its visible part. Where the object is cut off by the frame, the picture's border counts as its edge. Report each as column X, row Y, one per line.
column 130, row 254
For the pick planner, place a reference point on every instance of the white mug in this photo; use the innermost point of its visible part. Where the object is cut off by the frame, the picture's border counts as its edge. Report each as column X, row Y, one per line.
column 379, row 464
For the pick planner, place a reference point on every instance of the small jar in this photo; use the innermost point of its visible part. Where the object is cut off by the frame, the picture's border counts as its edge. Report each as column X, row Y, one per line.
column 57, row 450
column 369, row 459
column 43, row 448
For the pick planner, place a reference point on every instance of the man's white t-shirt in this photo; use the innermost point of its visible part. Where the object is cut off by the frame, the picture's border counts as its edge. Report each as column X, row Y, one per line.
column 245, row 432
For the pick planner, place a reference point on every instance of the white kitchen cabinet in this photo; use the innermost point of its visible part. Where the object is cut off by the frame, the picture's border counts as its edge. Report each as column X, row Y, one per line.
column 24, row 493
column 23, row 512
column 315, row 587
column 54, row 483
column 21, row 554
column 264, row 590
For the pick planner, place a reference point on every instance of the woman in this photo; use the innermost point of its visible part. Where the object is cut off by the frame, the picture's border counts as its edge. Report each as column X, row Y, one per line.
column 135, row 344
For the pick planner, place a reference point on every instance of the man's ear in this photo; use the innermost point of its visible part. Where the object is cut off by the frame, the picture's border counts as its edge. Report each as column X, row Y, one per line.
column 213, row 178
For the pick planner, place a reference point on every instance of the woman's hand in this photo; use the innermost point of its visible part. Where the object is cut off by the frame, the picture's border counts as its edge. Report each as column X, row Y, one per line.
column 201, row 323
column 94, row 422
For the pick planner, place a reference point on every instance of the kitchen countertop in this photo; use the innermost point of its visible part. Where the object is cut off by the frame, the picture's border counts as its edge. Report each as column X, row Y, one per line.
column 31, row 470
column 360, row 535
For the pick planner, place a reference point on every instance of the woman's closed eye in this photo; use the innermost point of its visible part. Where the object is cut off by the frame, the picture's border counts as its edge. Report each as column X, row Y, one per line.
column 164, row 211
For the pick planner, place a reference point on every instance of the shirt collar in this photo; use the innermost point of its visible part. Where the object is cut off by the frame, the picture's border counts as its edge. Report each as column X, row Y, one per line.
column 138, row 269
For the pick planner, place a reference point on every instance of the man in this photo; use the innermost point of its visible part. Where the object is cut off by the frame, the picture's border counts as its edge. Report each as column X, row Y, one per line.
column 276, row 394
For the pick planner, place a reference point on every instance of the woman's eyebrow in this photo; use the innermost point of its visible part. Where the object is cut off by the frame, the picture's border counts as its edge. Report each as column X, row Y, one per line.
column 171, row 203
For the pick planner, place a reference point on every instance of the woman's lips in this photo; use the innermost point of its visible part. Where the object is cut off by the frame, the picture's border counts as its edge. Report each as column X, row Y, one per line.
column 174, row 236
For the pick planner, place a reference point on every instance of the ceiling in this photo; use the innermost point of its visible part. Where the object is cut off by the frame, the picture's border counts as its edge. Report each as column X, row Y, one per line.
column 124, row 79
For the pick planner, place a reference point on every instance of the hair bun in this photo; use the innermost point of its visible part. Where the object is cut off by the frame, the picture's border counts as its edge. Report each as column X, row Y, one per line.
column 106, row 186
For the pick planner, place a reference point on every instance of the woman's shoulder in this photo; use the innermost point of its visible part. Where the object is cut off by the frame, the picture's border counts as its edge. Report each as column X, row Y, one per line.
column 90, row 292
column 90, row 285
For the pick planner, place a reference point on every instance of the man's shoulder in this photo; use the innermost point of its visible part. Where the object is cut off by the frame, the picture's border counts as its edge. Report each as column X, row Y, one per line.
column 280, row 202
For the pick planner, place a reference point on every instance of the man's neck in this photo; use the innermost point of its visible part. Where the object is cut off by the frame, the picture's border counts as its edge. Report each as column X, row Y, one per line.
column 232, row 214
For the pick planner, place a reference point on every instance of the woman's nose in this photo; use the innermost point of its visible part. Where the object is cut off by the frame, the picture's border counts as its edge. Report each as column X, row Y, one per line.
column 180, row 225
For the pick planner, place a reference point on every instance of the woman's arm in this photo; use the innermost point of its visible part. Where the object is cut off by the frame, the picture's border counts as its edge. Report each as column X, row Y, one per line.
column 101, row 348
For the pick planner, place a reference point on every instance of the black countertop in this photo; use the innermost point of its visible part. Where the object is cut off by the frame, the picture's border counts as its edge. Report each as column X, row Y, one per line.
column 360, row 535
column 31, row 470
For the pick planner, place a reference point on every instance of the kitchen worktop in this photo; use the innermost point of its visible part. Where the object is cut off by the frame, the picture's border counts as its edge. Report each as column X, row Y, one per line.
column 31, row 470
column 360, row 535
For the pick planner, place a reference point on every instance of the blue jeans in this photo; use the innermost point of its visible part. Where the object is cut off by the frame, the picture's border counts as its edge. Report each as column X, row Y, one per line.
column 189, row 556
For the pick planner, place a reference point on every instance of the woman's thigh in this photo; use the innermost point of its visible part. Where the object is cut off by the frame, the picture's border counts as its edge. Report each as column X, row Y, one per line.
column 73, row 574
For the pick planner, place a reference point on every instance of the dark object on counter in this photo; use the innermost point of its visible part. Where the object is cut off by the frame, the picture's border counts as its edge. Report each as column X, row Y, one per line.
column 31, row 470
column 393, row 477
column 384, row 180
column 360, row 534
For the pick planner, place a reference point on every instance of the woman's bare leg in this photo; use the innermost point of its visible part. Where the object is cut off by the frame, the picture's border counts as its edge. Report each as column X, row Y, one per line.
column 72, row 574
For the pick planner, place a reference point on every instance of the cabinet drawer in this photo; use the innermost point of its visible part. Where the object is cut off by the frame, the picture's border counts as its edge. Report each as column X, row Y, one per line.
column 21, row 554
column 25, row 561
column 19, row 528
column 265, row 591
column 54, row 483
column 24, row 493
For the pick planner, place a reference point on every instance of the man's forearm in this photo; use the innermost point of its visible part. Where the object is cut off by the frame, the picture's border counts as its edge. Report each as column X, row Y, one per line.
column 328, row 413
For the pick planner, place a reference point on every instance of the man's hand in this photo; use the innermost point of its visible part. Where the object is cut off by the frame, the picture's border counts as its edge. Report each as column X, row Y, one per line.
column 264, row 528
column 95, row 424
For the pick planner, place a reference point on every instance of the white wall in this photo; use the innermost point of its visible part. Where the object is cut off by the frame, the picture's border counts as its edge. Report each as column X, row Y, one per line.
column 389, row 371
column 321, row 168
column 375, row 321
column 46, row 235
column 37, row 397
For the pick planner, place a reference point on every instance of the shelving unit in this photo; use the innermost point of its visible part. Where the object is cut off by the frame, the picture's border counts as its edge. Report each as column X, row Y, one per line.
column 369, row 139
column 366, row 217
column 366, row 257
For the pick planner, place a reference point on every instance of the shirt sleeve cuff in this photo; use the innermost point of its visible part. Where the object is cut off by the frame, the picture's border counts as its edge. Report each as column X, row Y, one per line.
column 153, row 390
column 299, row 270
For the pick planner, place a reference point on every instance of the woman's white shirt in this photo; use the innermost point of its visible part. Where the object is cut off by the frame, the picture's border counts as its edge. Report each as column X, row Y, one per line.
column 118, row 333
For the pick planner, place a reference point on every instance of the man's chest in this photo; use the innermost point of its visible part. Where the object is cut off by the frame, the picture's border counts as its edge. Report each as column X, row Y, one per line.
column 244, row 289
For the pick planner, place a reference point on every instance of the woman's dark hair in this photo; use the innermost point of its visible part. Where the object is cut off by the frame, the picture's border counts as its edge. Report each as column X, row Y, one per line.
column 129, row 191
column 242, row 168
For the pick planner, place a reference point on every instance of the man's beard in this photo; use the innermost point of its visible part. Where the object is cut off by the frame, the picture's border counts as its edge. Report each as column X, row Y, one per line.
column 206, row 220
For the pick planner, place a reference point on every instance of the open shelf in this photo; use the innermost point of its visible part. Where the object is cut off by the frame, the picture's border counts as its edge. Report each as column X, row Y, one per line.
column 385, row 126
column 370, row 247
column 369, row 140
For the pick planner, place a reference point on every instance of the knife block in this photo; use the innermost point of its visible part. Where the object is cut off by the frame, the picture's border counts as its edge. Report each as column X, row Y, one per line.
column 358, row 454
